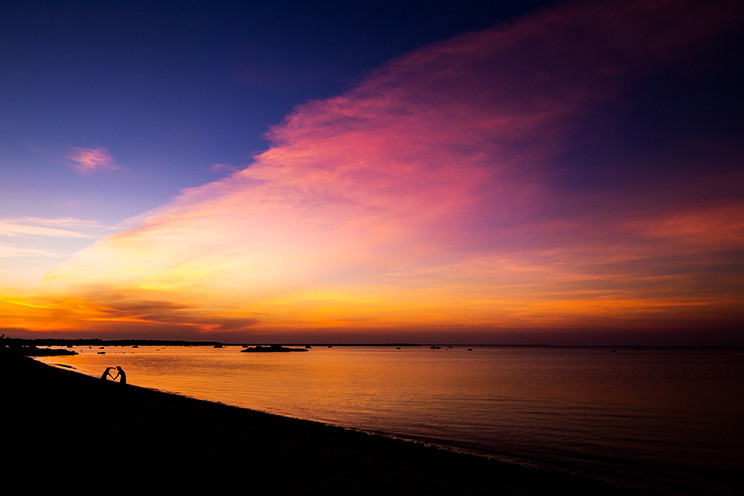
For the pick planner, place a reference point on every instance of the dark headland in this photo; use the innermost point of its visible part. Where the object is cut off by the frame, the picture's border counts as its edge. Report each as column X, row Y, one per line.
column 64, row 430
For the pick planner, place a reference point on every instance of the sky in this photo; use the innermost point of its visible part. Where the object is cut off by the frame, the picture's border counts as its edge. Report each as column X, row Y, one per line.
column 563, row 172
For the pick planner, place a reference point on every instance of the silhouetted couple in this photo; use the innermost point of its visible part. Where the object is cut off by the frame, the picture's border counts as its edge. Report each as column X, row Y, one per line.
column 119, row 375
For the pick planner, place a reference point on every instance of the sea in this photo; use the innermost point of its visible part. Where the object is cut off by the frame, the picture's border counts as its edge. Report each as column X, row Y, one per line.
column 668, row 420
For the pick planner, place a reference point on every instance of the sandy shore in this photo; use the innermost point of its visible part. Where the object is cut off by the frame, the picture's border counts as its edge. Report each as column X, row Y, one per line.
column 65, row 428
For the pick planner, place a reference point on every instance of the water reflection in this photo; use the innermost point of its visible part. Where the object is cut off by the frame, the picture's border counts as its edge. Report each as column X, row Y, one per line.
column 581, row 407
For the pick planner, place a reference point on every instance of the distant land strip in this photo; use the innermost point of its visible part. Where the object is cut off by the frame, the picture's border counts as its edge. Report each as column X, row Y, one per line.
column 69, row 342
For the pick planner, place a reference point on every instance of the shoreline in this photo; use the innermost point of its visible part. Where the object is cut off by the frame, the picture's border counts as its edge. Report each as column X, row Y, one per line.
column 69, row 424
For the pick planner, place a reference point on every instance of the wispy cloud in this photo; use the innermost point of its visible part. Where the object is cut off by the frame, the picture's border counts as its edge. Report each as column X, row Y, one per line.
column 454, row 187
column 90, row 160
column 21, row 252
column 10, row 228
column 223, row 168
column 45, row 240
column 58, row 227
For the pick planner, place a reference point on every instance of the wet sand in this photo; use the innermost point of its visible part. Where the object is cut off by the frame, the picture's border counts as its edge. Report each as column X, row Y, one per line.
column 64, row 428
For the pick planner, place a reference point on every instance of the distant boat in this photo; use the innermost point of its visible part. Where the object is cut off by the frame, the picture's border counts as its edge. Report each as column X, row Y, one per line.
column 435, row 347
column 470, row 349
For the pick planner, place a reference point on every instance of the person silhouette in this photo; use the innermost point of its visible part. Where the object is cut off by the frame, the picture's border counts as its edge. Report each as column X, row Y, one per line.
column 121, row 375
column 106, row 374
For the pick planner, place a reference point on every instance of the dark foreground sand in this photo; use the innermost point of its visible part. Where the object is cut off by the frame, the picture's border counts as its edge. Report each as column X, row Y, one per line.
column 64, row 430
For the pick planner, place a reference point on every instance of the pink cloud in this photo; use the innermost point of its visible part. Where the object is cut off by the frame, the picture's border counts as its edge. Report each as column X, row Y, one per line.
column 224, row 168
column 432, row 195
column 89, row 160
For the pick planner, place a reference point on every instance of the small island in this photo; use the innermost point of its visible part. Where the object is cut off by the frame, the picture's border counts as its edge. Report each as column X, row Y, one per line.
column 28, row 348
column 273, row 348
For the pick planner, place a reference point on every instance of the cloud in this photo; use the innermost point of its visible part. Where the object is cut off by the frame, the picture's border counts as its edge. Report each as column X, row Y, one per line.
column 224, row 168
column 16, row 252
column 65, row 227
column 46, row 240
column 30, row 226
column 480, row 182
column 102, row 307
column 90, row 160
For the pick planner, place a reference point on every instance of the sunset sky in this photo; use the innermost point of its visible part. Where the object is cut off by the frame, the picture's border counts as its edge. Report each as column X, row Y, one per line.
column 364, row 172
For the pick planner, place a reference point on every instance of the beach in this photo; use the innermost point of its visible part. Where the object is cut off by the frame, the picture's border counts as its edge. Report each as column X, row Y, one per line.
column 62, row 426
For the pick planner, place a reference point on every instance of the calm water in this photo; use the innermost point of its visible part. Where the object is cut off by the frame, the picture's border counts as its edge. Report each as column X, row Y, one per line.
column 671, row 420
